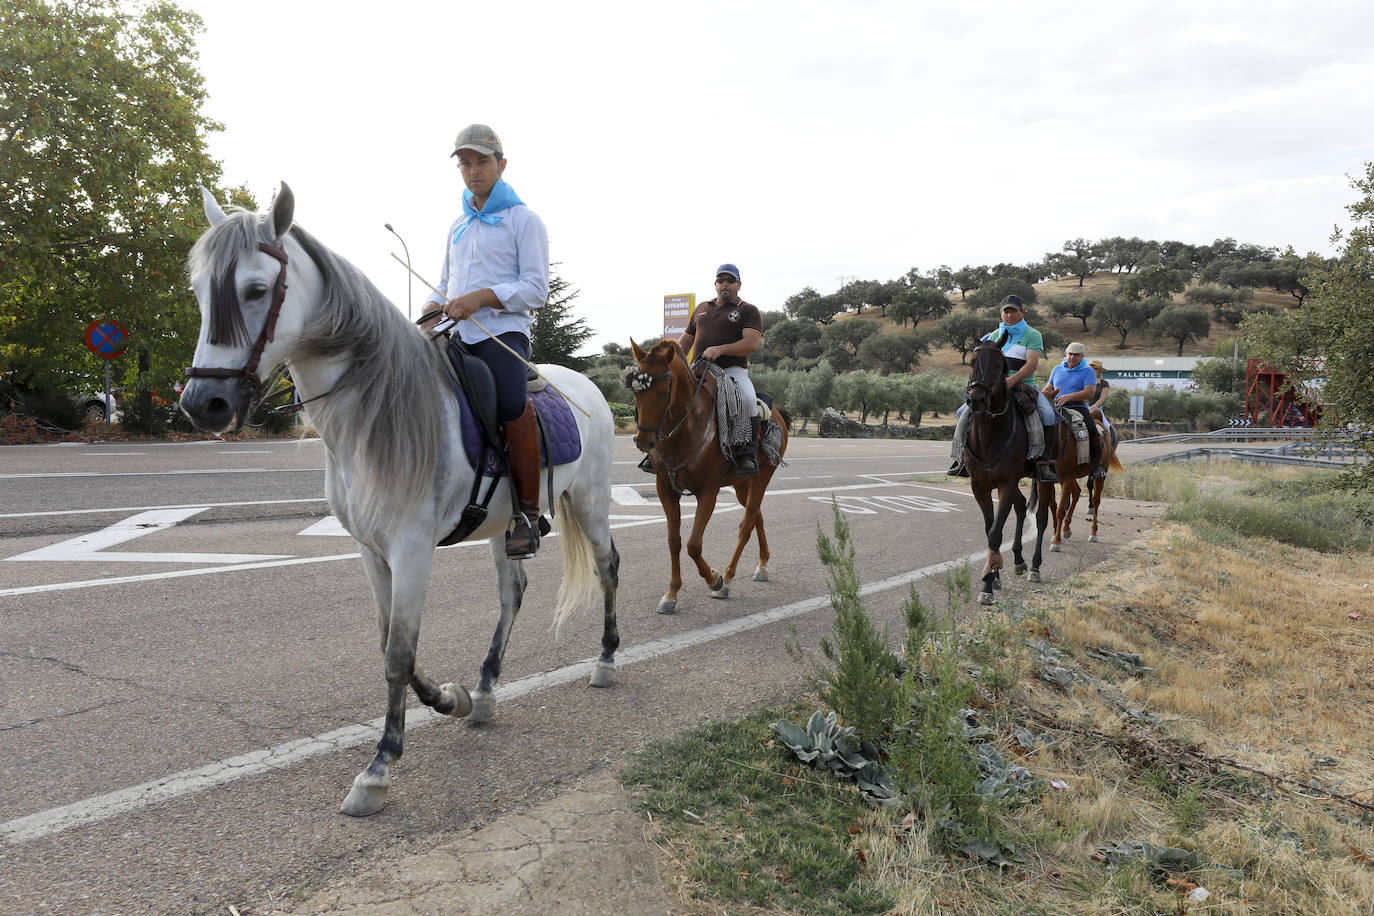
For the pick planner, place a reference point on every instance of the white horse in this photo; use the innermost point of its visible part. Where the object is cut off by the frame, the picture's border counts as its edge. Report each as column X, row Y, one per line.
column 396, row 475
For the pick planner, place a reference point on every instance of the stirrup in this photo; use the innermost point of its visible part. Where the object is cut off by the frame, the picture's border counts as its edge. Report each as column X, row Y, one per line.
column 957, row 469
column 1098, row 472
column 1045, row 472
column 646, row 464
column 746, row 464
column 522, row 539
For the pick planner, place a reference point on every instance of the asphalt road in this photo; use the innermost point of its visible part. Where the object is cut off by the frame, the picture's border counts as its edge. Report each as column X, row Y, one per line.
column 190, row 679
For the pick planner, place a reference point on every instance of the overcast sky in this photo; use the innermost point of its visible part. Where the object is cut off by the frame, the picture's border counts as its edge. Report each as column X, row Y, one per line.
column 805, row 141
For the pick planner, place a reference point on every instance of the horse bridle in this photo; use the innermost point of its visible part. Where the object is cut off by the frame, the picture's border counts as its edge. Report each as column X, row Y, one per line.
column 987, row 386
column 647, row 382
column 248, row 375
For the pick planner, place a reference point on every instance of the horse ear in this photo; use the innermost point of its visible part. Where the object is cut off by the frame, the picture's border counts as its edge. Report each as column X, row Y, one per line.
column 1002, row 339
column 213, row 211
column 283, row 210
column 637, row 350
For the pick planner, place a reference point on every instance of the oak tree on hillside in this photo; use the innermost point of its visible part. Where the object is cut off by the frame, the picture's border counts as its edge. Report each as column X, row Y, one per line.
column 1126, row 316
column 1180, row 323
column 961, row 330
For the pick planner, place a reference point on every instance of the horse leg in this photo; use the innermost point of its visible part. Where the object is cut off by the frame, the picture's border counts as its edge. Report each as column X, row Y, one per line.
column 1095, row 488
column 400, row 595
column 1058, row 506
column 761, row 573
column 706, row 504
column 511, row 579
column 991, row 579
column 1018, row 504
column 751, row 519
column 1071, row 497
column 671, row 501
column 1042, row 521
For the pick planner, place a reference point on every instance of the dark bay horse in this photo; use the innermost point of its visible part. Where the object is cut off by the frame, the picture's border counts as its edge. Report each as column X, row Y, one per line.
column 675, row 418
column 995, row 455
column 1065, row 450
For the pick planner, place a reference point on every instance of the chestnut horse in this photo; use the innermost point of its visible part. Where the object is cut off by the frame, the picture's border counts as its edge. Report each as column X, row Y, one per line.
column 1065, row 450
column 995, row 456
column 675, row 423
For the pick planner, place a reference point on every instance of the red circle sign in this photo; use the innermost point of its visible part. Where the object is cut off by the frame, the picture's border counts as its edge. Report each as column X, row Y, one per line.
column 107, row 338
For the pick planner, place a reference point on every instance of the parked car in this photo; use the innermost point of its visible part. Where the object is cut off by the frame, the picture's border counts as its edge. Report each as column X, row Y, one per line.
column 95, row 404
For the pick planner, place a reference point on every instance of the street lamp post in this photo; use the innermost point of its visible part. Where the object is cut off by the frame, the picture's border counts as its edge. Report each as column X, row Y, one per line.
column 408, row 275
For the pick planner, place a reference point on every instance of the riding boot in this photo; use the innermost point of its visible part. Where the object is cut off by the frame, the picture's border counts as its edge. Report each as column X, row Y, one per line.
column 957, row 469
column 1095, row 456
column 1036, row 434
column 646, row 464
column 522, row 449
column 746, row 456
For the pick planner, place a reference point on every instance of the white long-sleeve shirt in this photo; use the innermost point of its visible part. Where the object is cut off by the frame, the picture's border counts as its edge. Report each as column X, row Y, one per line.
column 510, row 258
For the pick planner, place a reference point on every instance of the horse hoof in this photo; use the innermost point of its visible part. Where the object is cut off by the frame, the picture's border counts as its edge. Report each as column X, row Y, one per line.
column 667, row 606
column 368, row 795
column 1034, row 576
column 1020, row 569
column 603, row 675
column 458, row 696
column 985, row 598
column 761, row 574
column 483, row 708
column 1092, row 539
column 996, row 586
column 1054, row 548
column 722, row 592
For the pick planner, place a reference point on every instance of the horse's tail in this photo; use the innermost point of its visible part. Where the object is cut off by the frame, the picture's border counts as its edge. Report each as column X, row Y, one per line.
column 580, row 585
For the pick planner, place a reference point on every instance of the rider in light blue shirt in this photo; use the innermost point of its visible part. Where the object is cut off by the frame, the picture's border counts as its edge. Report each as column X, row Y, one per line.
column 1075, row 384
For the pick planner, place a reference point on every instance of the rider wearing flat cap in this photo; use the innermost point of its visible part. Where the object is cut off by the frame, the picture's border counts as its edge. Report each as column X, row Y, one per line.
column 496, row 271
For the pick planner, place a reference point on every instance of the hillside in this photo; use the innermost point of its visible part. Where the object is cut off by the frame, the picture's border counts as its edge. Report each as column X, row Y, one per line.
column 1099, row 346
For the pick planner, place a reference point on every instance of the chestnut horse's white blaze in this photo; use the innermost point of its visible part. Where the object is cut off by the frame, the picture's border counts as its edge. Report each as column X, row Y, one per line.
column 396, row 474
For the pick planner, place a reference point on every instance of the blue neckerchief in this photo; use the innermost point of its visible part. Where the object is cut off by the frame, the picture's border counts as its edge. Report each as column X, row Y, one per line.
column 1015, row 330
column 502, row 197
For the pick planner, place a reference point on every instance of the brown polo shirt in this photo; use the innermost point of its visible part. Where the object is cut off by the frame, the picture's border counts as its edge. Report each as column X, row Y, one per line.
column 713, row 325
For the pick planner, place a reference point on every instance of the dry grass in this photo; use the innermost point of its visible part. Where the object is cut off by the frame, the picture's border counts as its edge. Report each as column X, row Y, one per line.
column 1256, row 660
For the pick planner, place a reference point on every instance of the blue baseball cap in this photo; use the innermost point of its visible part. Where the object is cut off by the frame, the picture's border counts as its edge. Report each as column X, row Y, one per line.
column 730, row 269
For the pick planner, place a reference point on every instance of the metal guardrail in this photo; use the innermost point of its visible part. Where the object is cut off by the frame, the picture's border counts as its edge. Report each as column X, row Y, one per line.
column 1260, row 434
column 1257, row 457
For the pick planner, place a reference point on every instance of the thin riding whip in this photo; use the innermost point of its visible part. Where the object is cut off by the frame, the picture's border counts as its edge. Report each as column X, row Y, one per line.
column 498, row 340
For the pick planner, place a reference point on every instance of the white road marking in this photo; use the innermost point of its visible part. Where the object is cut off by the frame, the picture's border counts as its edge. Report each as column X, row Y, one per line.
column 254, row 763
column 90, row 548
column 326, row 527
column 109, row 454
column 160, row 473
column 253, row 502
column 235, row 451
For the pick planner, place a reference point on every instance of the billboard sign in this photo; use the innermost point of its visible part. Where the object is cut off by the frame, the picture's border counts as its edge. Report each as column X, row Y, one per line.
column 677, row 312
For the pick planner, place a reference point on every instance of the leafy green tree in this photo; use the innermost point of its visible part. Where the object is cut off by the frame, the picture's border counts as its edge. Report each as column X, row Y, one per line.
column 991, row 294
column 1225, row 371
column 820, row 309
column 892, row 353
column 793, row 303
column 969, row 278
column 932, row 391
column 799, row 337
column 961, row 330
column 810, row 392
column 918, row 302
column 841, row 340
column 1180, row 323
column 1079, row 258
column 1328, row 337
column 1152, row 282
column 860, row 390
column 1126, row 316
column 102, row 147
column 555, row 335
column 1124, row 254
column 1080, row 307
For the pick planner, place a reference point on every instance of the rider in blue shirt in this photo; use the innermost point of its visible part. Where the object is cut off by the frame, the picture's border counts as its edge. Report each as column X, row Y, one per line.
column 1075, row 383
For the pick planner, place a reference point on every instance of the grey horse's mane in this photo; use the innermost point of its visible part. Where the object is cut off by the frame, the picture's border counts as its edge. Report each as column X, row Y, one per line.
column 387, row 410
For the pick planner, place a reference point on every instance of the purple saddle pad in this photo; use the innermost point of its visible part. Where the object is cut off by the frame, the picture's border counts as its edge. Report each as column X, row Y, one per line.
column 560, row 428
